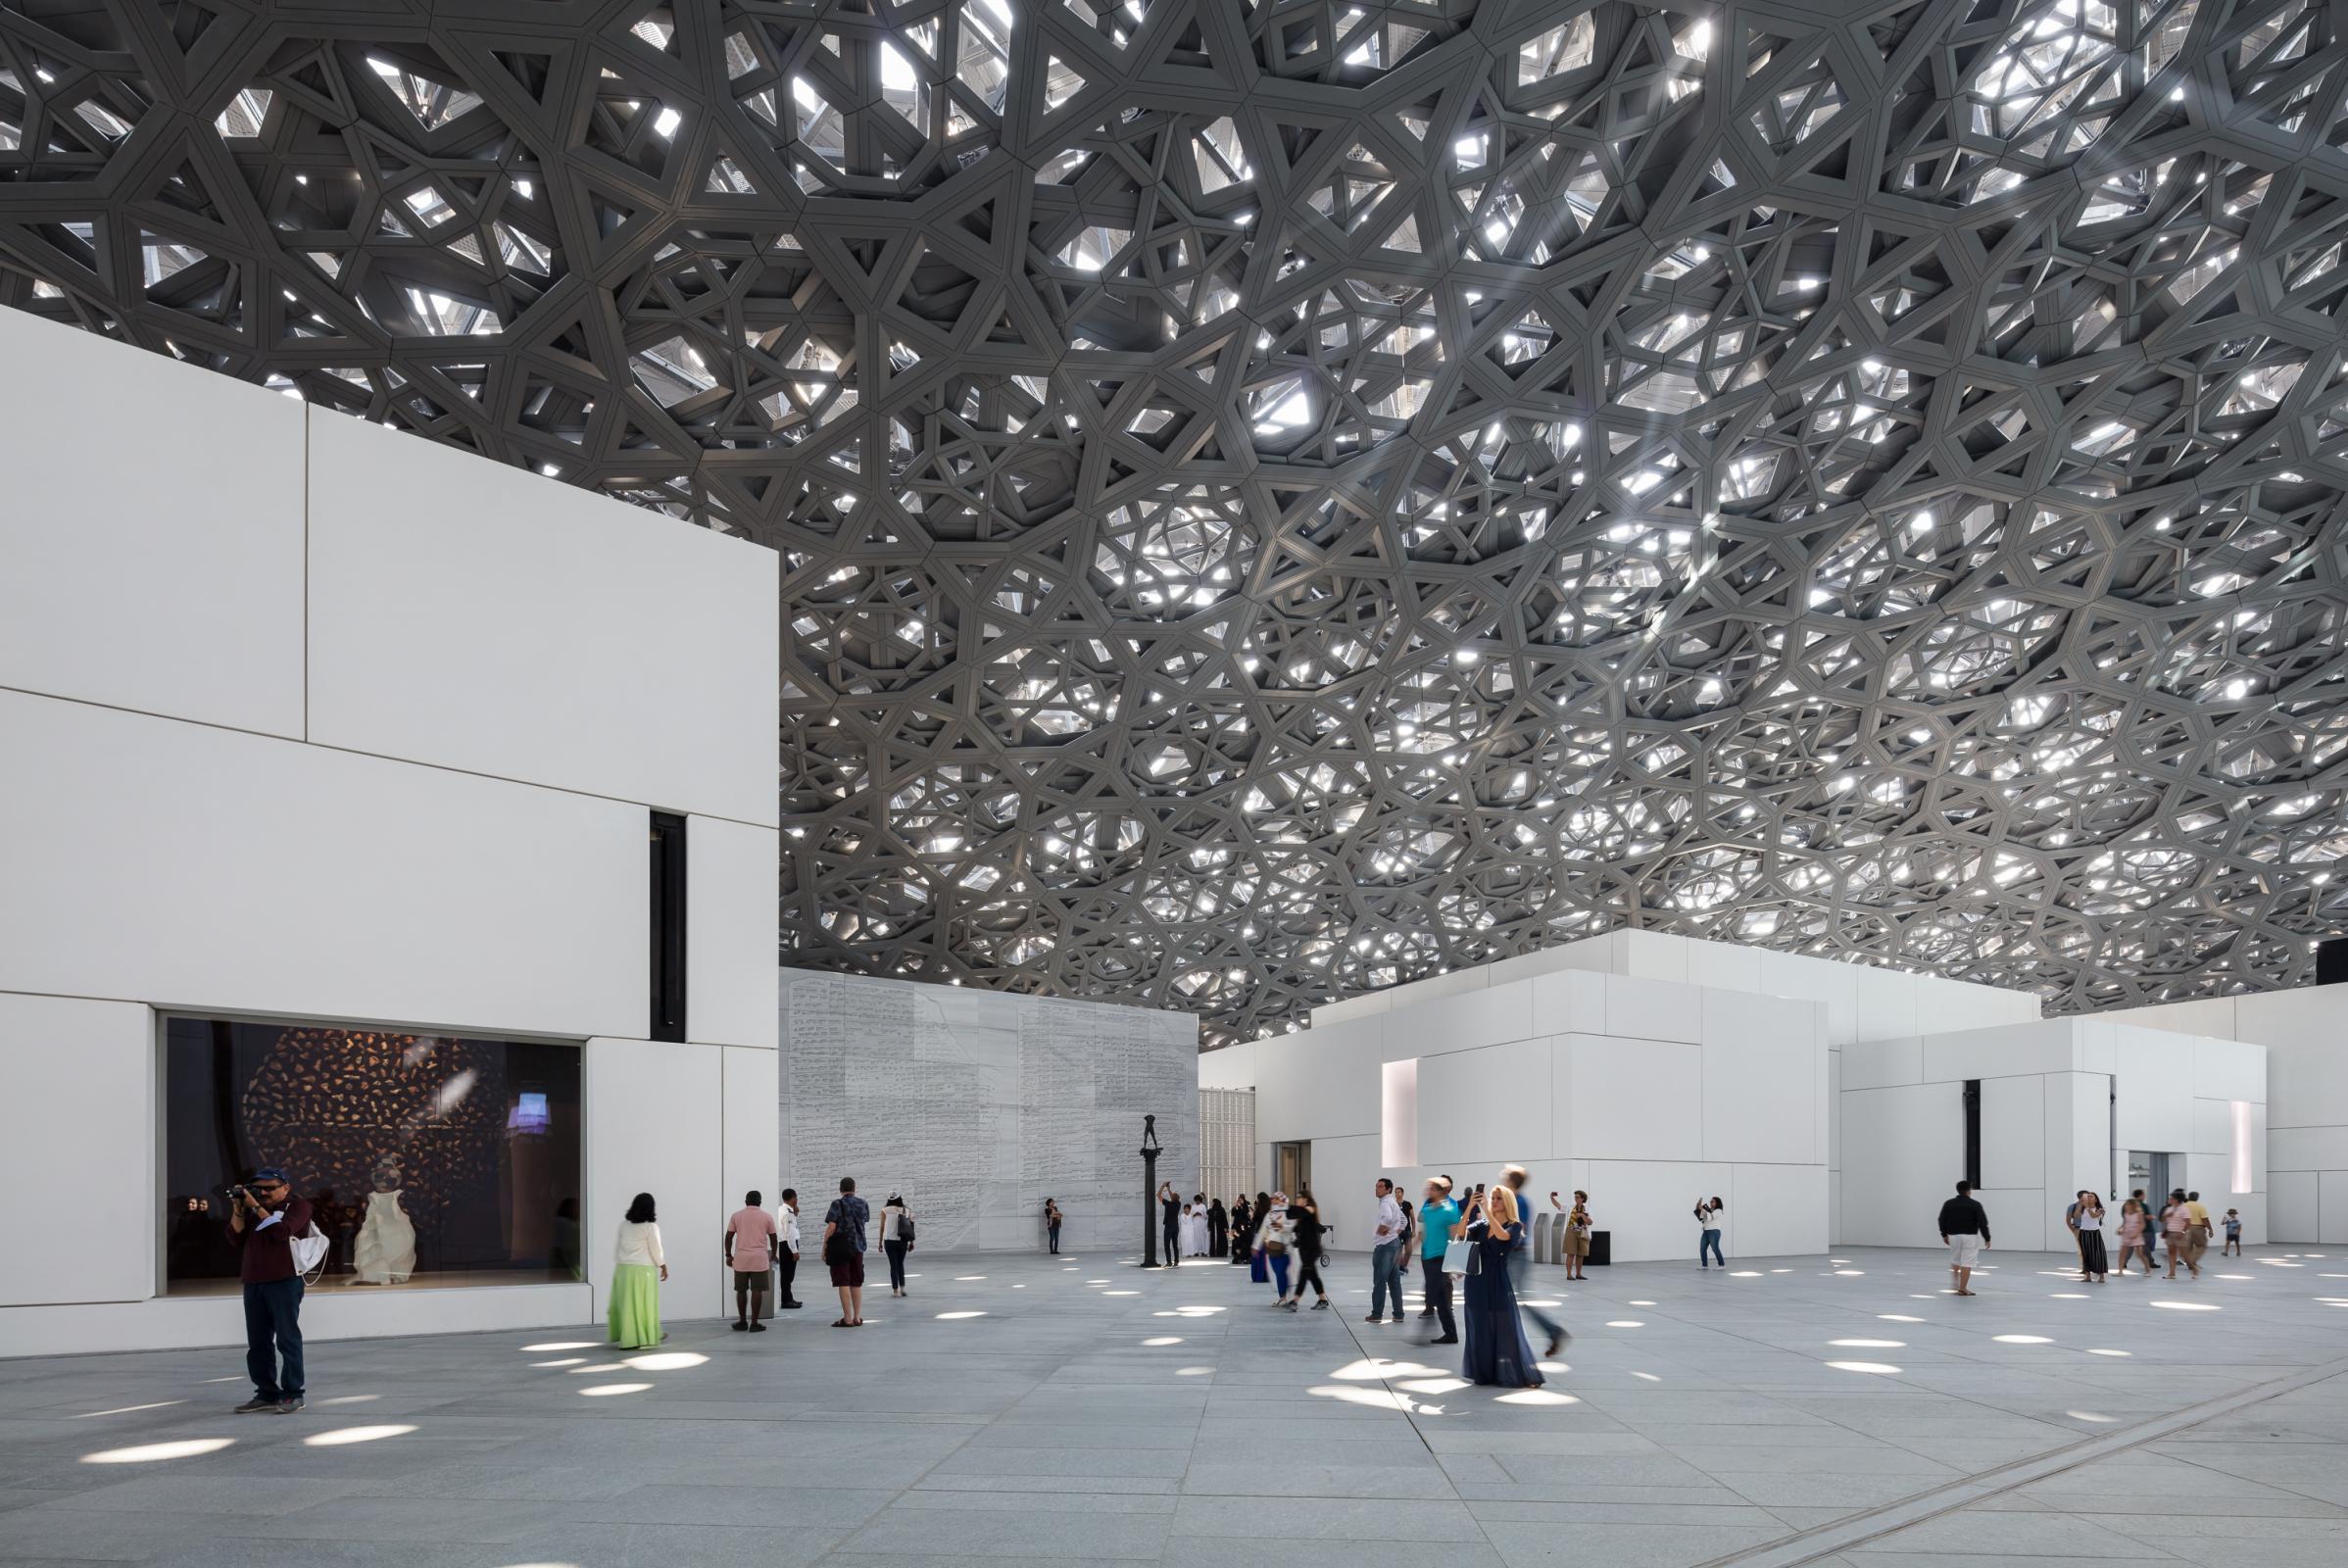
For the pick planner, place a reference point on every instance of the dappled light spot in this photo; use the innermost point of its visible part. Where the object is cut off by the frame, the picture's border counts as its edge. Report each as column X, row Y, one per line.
column 1537, row 1397
column 126, row 1409
column 566, row 1360
column 2187, row 1306
column 1898, row 1317
column 2022, row 1338
column 2245, row 1276
column 349, row 1399
column 2111, row 1353
column 1193, row 1371
column 2090, row 1415
column 1878, row 1368
column 2069, row 1295
column 1640, row 1303
column 1120, row 1292
column 1169, row 1339
column 1435, row 1384
column 956, row 1317
column 1375, row 1398
column 1738, row 1274
column 151, row 1453
column 1646, row 1377
column 553, row 1345
column 601, row 1389
column 1625, row 1323
column 665, row 1360
column 342, row 1435
column 1849, row 1273
column 1869, row 1344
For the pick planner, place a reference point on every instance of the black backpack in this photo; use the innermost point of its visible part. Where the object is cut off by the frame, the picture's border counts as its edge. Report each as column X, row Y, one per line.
column 904, row 1229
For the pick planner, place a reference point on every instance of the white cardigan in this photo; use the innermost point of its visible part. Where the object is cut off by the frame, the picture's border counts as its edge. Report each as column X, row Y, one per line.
column 638, row 1244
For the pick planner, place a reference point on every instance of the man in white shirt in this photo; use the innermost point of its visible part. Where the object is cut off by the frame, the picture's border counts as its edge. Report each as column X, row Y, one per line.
column 787, row 1249
column 1385, row 1252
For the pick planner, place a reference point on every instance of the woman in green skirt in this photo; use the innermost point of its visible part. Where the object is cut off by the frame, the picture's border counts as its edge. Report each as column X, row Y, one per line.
column 638, row 1270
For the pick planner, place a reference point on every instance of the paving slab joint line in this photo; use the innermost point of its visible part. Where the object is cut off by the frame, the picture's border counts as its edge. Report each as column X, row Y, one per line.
column 1842, row 1535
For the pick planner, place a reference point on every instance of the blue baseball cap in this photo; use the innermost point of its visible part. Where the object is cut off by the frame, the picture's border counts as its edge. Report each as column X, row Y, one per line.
column 270, row 1173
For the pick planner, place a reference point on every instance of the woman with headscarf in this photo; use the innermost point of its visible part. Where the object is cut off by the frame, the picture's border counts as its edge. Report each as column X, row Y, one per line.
column 1243, row 1229
column 1218, row 1228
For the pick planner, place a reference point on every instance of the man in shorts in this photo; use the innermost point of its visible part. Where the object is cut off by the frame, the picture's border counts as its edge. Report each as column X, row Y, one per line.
column 750, row 1237
column 1964, row 1231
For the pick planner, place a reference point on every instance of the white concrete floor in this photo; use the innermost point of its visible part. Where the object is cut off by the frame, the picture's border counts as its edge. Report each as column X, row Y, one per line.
column 1792, row 1410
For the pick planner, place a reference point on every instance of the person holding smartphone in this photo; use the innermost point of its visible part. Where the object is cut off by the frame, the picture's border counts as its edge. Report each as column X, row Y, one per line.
column 263, row 1218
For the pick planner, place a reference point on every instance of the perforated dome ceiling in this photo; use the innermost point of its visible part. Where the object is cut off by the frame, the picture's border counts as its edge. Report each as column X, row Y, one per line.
column 1279, row 499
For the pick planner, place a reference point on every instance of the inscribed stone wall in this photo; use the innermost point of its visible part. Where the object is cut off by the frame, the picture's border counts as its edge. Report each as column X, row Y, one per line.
column 976, row 1106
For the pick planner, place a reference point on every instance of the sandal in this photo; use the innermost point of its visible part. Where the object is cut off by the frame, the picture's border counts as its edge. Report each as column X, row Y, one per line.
column 841, row 1323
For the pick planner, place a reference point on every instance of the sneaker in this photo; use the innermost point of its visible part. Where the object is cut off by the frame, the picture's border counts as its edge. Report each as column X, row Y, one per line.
column 738, row 1325
column 289, row 1405
column 254, row 1405
column 758, row 1328
column 1377, row 1318
column 1321, row 1305
column 1289, row 1305
column 1445, row 1339
column 1430, row 1312
column 792, row 1306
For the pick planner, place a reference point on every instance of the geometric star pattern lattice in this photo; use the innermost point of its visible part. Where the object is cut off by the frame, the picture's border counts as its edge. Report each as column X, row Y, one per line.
column 1281, row 497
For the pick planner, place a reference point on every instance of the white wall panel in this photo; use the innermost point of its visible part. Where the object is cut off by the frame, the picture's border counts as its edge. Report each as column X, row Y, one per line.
column 1343, row 1171
column 1780, row 1210
column 1887, row 1005
column 2004, row 1052
column 2308, row 1148
column 1902, row 1149
column 204, row 868
column 531, row 631
column 164, row 572
column 654, row 1124
column 1472, row 1103
column 1881, row 1063
column 74, row 1123
column 1570, row 1002
column 178, row 1322
column 2013, row 1131
column 1649, row 1205
column 730, row 893
column 2332, row 1207
column 2292, row 1205
column 1725, row 966
column 1760, row 1088
column 752, row 1087
column 2226, row 1069
column 1655, row 955
column 2078, row 1134
column 2023, row 1219
column 1652, row 1009
column 1485, row 1016
column 2204, row 1015
column 1633, row 1099
column 2156, row 1091
column 1787, row 974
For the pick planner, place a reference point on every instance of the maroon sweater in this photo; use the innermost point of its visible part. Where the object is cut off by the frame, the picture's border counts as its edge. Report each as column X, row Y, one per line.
column 268, row 1254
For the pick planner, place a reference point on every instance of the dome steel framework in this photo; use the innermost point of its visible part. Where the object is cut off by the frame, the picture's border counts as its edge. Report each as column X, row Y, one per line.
column 1281, row 497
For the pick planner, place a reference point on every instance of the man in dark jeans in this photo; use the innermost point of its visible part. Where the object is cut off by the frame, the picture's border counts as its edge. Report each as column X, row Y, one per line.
column 1965, row 1232
column 1437, row 1215
column 261, row 1225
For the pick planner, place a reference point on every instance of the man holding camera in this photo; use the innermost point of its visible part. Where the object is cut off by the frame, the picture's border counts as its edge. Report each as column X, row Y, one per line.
column 263, row 1221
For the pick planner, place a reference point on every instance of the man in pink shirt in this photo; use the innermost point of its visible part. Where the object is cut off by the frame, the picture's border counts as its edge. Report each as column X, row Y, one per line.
column 750, row 1252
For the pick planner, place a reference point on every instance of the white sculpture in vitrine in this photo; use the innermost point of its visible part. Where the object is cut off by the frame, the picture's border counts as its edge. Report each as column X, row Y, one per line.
column 385, row 1251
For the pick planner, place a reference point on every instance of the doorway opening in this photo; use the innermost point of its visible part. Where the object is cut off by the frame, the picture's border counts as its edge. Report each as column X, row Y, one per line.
column 1291, row 1166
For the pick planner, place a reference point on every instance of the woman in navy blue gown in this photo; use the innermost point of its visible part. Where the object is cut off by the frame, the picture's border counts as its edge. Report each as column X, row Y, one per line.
column 1496, row 1350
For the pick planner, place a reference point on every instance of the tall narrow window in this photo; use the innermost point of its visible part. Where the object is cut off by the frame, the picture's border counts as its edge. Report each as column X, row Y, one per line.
column 1973, row 1131
column 1399, row 1114
column 669, row 926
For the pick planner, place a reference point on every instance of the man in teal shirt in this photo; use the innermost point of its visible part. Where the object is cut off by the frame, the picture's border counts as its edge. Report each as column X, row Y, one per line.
column 1437, row 1215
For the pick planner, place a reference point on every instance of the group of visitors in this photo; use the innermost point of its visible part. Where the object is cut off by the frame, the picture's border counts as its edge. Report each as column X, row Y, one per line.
column 2182, row 1224
column 1486, row 1242
column 1192, row 1227
column 760, row 1249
